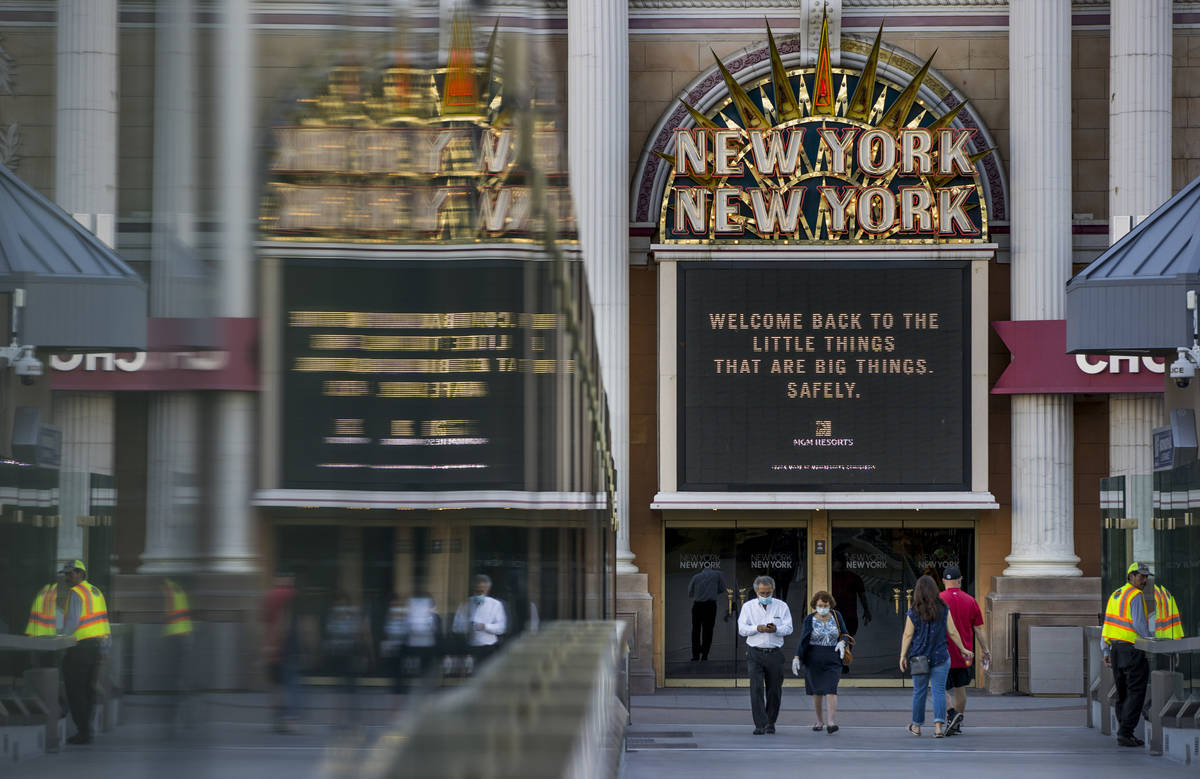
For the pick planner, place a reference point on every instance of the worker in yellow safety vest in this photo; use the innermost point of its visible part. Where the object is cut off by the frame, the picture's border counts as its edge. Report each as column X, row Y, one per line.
column 43, row 614
column 1167, row 621
column 1124, row 622
column 87, row 621
column 177, row 617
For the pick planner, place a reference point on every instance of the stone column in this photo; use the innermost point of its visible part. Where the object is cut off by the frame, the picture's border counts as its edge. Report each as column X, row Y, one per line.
column 1043, row 582
column 1039, row 43
column 85, row 175
column 172, row 483
column 85, row 185
column 598, row 137
column 1139, row 181
column 173, row 433
column 86, row 419
column 234, row 468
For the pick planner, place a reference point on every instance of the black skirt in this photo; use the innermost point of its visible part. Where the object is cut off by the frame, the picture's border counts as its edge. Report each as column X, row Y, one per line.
column 822, row 671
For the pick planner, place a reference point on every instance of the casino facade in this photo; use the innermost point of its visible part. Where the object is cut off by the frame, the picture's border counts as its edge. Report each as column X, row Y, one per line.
column 826, row 248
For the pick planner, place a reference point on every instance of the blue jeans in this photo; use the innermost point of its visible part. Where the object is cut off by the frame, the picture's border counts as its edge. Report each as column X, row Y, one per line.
column 936, row 678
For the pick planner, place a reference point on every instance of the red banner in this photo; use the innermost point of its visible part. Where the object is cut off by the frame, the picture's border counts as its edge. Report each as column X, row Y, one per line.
column 1041, row 366
column 228, row 361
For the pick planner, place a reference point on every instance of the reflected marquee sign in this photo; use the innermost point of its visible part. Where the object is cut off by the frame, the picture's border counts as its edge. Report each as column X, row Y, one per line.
column 814, row 376
column 412, row 375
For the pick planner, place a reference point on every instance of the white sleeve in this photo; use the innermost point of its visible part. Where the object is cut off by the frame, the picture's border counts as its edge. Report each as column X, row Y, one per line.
column 462, row 621
column 497, row 620
column 746, row 625
column 784, row 626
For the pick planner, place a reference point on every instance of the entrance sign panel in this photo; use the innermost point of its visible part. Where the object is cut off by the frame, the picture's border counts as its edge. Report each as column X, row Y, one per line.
column 823, row 376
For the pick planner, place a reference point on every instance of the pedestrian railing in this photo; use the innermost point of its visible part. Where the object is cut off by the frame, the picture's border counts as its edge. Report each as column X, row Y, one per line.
column 551, row 704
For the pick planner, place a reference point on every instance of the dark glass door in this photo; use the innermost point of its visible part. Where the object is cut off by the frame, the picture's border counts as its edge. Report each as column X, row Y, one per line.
column 780, row 554
column 738, row 555
column 873, row 574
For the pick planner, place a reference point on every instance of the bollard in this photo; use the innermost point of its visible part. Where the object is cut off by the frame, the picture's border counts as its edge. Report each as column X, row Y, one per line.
column 1107, row 689
column 43, row 682
column 1164, row 686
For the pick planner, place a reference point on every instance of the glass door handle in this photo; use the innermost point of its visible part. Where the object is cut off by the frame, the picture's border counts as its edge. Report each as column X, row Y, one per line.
column 896, row 599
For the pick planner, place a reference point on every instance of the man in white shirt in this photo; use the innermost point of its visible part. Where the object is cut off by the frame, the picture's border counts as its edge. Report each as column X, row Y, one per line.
column 765, row 622
column 481, row 619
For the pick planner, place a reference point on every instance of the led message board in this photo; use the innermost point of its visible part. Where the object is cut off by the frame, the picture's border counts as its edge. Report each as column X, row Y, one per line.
column 822, row 376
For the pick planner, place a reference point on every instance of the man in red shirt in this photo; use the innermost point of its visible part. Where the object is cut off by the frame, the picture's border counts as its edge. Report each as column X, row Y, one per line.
column 964, row 610
column 281, row 651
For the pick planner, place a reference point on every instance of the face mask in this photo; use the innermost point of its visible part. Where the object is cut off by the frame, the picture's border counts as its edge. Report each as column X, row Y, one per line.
column 764, row 601
column 822, row 610
column 477, row 598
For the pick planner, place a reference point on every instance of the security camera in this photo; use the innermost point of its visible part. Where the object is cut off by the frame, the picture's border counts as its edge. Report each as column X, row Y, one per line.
column 22, row 360
column 1184, row 367
column 26, row 365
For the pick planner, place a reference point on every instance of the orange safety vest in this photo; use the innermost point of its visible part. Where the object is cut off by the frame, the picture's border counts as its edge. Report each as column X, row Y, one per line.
column 177, row 619
column 1118, row 617
column 93, row 619
column 1167, row 622
column 42, row 613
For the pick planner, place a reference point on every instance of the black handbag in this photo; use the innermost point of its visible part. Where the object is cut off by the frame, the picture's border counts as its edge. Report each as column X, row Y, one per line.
column 918, row 665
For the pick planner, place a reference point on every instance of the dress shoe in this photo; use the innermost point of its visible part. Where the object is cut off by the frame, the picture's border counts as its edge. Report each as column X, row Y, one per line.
column 759, row 731
column 1129, row 741
column 79, row 738
column 769, row 728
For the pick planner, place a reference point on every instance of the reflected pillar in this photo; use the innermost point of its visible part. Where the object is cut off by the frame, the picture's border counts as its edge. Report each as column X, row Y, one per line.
column 1139, row 181
column 598, row 141
column 85, row 185
column 87, row 422
column 236, row 419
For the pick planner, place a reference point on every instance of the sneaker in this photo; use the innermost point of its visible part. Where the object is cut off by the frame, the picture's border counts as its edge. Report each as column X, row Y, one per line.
column 770, row 729
column 1129, row 741
column 955, row 724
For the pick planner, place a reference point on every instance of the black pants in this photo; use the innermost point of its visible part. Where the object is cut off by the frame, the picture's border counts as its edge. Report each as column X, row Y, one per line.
column 80, row 664
column 704, row 616
column 1131, row 671
column 765, row 668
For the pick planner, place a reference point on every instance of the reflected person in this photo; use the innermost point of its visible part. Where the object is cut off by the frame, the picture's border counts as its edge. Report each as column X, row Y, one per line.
column 481, row 619
column 704, row 589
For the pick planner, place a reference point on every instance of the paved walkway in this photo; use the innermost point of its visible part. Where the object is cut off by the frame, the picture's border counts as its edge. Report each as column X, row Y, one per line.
column 692, row 733
column 684, row 733
column 232, row 739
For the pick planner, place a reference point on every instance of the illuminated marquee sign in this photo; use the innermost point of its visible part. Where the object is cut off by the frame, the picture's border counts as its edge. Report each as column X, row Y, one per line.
column 824, row 155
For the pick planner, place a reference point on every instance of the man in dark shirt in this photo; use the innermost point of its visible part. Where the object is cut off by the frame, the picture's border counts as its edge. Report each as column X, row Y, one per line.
column 704, row 589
